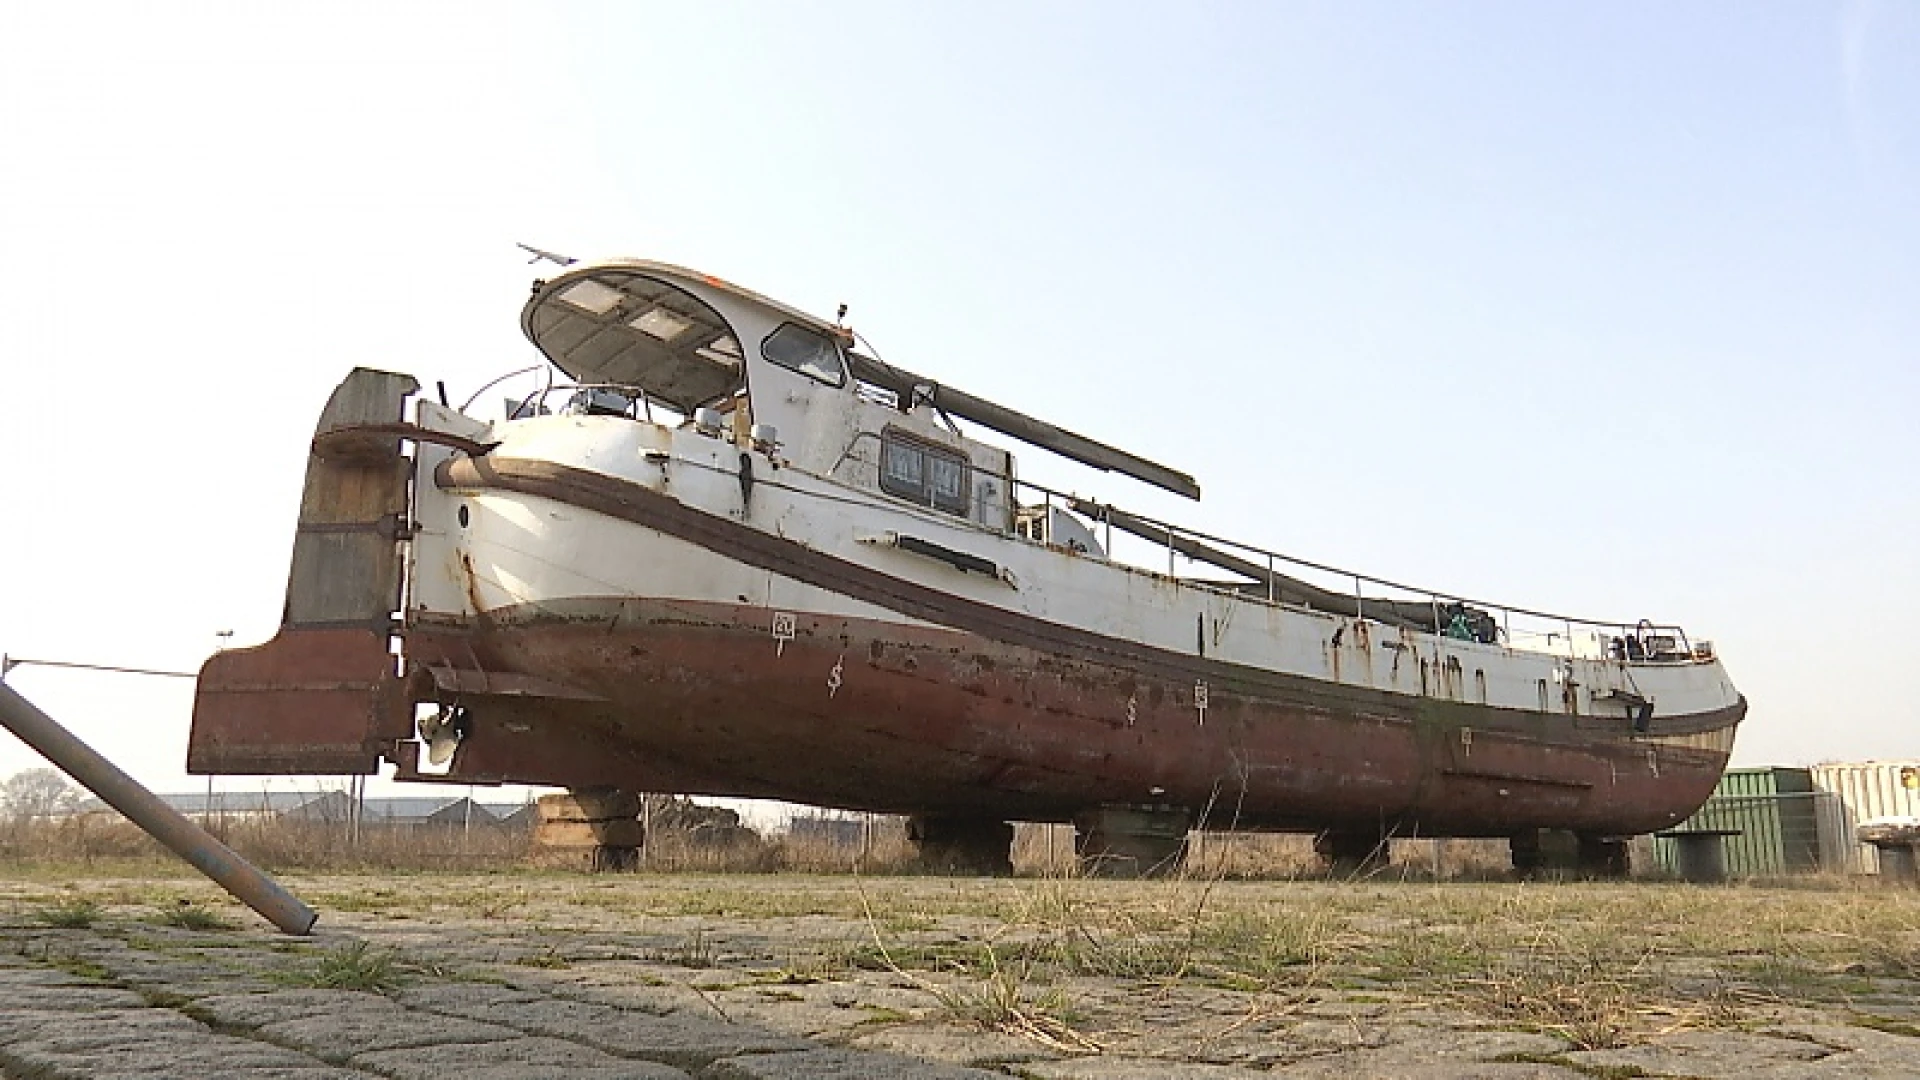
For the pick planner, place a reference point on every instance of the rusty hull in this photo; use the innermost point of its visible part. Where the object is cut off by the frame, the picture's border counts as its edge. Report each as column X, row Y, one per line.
column 870, row 715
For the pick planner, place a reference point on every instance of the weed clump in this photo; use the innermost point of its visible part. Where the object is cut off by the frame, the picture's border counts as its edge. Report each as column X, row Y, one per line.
column 76, row 914
column 550, row 959
column 1004, row 1000
column 187, row 915
column 350, row 967
column 698, row 951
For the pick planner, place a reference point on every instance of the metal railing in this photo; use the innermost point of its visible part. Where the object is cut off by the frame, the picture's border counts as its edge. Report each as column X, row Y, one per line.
column 1545, row 631
column 1339, row 590
column 638, row 405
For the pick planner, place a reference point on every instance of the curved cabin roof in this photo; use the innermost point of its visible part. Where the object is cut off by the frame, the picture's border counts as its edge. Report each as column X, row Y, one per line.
column 652, row 327
column 642, row 325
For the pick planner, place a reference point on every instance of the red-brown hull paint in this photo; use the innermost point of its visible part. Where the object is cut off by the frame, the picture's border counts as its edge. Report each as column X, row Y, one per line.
column 864, row 714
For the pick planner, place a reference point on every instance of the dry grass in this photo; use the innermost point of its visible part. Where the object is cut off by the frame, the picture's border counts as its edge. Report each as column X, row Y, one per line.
column 107, row 842
column 1005, row 1000
column 103, row 841
column 1047, row 851
column 354, row 966
column 187, row 915
column 77, row 913
column 1596, row 965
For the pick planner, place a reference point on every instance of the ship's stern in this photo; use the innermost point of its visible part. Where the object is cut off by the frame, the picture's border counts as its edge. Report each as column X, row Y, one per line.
column 325, row 695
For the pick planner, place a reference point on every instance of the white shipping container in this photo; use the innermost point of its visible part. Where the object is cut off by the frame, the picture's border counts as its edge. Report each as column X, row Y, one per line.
column 1861, row 792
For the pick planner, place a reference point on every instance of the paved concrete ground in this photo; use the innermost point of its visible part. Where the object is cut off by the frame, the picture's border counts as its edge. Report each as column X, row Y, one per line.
column 495, row 995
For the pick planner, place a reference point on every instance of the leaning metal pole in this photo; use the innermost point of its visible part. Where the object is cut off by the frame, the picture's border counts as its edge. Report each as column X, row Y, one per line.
column 162, row 822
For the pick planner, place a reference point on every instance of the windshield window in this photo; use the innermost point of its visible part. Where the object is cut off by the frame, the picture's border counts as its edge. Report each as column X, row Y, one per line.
column 808, row 352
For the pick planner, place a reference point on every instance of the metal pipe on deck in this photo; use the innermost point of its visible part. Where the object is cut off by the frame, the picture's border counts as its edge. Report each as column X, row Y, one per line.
column 1280, row 586
column 1021, row 426
column 162, row 822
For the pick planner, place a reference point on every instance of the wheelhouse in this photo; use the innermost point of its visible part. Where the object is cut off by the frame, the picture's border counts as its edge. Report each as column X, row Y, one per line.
column 657, row 335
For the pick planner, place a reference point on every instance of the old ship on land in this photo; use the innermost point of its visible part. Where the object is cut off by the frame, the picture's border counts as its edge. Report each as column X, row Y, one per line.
column 732, row 554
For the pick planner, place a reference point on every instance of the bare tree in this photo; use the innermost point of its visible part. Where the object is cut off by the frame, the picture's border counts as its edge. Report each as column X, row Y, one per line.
column 35, row 793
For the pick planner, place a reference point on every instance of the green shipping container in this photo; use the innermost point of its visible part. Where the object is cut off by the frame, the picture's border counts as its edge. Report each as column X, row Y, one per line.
column 1772, row 809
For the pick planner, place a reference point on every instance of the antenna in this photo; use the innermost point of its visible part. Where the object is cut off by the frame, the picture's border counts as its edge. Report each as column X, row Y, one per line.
column 847, row 336
column 538, row 254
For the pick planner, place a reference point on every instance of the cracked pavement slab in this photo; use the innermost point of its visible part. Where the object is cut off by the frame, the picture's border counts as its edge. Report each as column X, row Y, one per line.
column 657, row 978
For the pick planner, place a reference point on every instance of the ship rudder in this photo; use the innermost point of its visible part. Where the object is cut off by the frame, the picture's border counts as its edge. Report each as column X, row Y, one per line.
column 324, row 697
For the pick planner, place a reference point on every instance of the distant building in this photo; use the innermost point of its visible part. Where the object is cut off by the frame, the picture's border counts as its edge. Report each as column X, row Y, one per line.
column 326, row 806
column 849, row 832
column 418, row 810
column 523, row 816
column 220, row 805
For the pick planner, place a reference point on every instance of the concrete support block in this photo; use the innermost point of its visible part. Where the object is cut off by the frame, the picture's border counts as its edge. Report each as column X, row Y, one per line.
column 1898, row 864
column 1132, row 841
column 1347, row 854
column 1701, row 854
column 1539, row 851
column 1604, row 856
column 961, row 845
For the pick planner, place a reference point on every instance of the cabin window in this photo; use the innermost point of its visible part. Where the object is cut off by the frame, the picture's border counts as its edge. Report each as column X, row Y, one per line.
column 808, row 352
column 929, row 475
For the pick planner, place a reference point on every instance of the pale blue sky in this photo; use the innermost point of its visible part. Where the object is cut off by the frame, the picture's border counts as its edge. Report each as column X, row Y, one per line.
column 1613, row 310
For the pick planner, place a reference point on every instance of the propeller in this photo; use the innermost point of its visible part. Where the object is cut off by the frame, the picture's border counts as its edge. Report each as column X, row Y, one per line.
column 443, row 731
